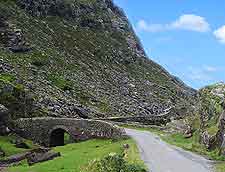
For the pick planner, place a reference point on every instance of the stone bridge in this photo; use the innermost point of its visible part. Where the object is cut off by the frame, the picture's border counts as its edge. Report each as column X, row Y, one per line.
column 50, row 131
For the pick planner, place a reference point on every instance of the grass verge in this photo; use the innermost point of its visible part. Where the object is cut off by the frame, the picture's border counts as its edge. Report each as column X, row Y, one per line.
column 76, row 157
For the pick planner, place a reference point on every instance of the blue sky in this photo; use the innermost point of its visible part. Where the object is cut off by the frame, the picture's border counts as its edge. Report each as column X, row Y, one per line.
column 187, row 37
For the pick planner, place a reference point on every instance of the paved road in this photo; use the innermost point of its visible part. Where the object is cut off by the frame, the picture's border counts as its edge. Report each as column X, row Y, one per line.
column 161, row 157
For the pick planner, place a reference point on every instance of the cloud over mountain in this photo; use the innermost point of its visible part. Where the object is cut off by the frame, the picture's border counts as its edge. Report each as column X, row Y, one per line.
column 189, row 22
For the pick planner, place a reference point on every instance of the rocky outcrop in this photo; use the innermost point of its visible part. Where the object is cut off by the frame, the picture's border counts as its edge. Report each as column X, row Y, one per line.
column 212, row 116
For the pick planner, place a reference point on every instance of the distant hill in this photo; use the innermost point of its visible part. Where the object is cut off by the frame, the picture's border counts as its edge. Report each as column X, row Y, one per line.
column 80, row 58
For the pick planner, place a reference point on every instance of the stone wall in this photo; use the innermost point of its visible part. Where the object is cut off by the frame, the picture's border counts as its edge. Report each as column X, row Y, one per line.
column 39, row 129
column 158, row 120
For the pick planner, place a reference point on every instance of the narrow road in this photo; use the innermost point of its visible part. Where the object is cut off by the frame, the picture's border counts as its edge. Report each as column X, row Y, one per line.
column 162, row 157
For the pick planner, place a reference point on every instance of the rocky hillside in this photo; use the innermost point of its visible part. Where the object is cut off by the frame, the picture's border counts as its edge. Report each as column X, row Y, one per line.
column 79, row 58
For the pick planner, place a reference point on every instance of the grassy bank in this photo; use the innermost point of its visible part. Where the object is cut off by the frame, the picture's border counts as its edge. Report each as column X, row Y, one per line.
column 75, row 157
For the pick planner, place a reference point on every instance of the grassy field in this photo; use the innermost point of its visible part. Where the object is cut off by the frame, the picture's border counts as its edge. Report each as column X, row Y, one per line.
column 76, row 157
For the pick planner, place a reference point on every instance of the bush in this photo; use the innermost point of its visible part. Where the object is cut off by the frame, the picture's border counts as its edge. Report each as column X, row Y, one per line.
column 113, row 163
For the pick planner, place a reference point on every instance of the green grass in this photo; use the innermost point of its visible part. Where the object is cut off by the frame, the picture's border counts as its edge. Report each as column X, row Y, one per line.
column 220, row 167
column 132, row 155
column 76, row 157
column 9, row 148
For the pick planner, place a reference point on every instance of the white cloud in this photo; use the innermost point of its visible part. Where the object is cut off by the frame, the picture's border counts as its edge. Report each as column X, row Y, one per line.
column 203, row 73
column 191, row 22
column 210, row 68
column 198, row 74
column 220, row 34
column 185, row 22
column 144, row 26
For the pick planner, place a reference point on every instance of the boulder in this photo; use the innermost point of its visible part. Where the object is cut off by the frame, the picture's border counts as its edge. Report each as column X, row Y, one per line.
column 188, row 133
column 21, row 144
column 37, row 157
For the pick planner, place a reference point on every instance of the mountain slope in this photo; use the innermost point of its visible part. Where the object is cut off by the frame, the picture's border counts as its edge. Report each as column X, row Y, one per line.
column 79, row 58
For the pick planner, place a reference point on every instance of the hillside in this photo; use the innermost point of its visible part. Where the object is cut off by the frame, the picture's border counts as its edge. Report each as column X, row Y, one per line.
column 80, row 58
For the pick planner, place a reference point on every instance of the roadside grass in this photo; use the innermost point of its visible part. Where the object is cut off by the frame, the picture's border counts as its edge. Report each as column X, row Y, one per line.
column 192, row 144
column 75, row 157
column 220, row 167
column 9, row 148
column 132, row 155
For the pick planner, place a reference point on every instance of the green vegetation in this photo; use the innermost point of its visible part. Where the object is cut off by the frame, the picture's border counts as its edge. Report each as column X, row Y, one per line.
column 6, row 144
column 4, row 77
column 76, row 157
column 220, row 167
column 113, row 163
column 60, row 82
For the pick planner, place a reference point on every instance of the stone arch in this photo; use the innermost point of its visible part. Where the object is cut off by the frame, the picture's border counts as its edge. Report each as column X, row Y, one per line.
column 56, row 136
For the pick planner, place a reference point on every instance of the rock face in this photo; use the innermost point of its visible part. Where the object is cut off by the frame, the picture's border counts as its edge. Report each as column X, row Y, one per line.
column 80, row 59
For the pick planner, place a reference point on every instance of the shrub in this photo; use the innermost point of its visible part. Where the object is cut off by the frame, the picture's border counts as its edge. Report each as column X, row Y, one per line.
column 113, row 163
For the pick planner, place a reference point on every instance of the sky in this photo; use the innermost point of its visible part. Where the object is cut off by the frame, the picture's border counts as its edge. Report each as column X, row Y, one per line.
column 186, row 37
